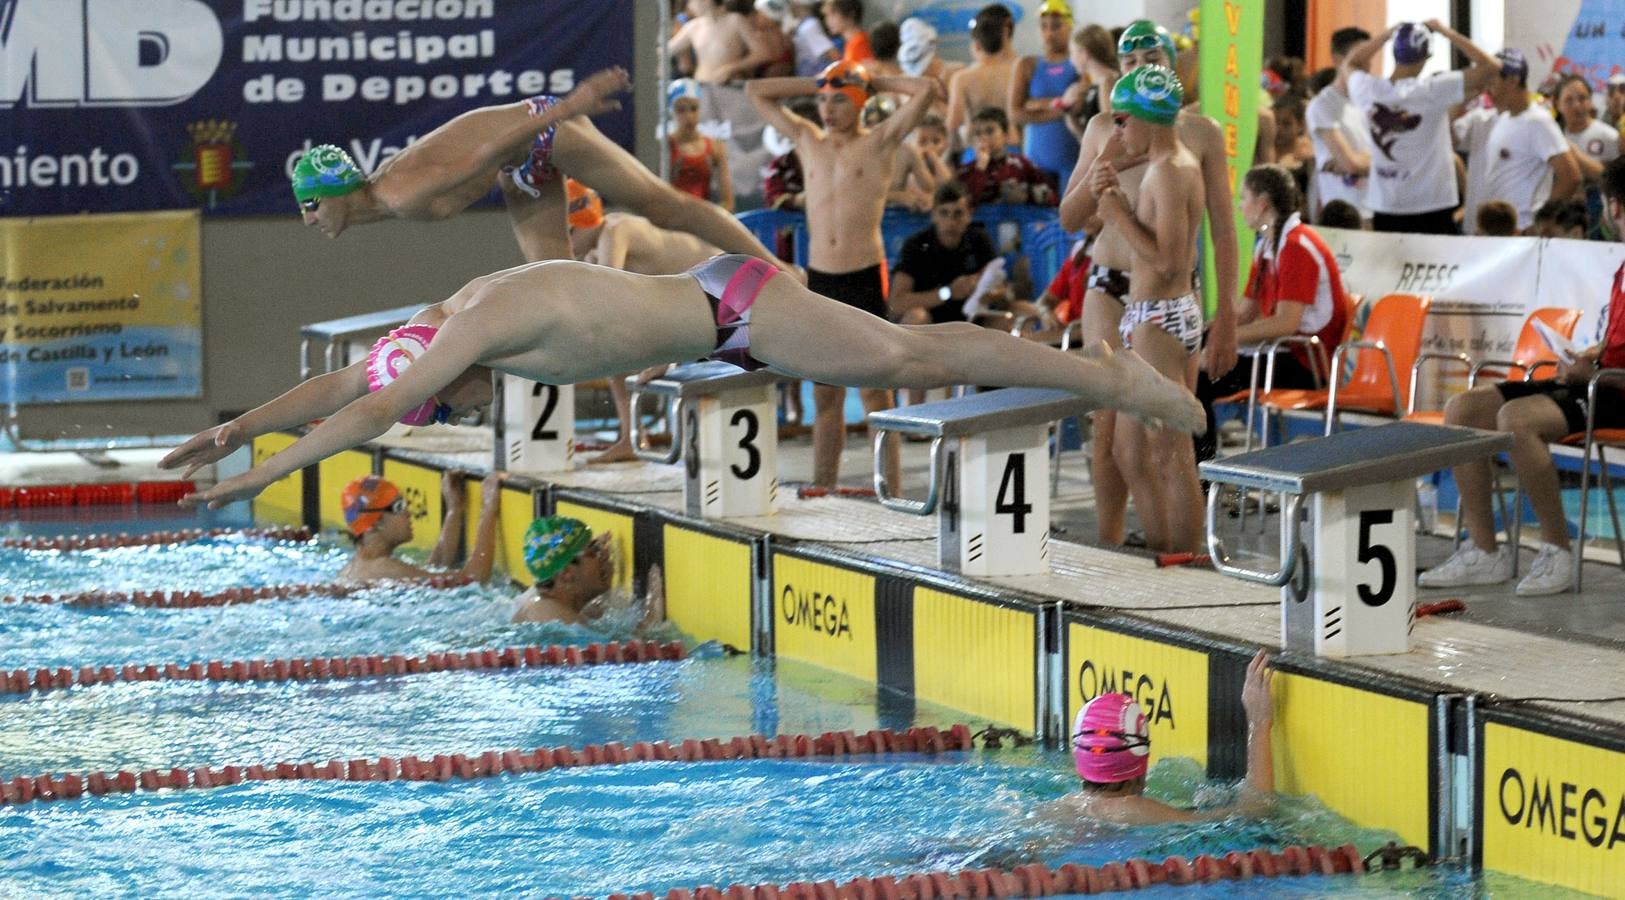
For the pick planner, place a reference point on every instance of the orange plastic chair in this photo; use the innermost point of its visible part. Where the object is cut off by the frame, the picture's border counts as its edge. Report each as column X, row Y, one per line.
column 1529, row 356
column 1386, row 352
column 1319, row 364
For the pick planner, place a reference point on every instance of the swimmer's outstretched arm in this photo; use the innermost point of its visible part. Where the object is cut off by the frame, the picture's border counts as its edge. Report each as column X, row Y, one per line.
column 458, row 346
column 311, row 399
column 439, row 166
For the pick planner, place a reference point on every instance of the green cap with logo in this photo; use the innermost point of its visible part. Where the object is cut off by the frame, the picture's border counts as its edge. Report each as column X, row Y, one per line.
column 325, row 171
column 552, row 542
column 1149, row 93
column 1143, row 34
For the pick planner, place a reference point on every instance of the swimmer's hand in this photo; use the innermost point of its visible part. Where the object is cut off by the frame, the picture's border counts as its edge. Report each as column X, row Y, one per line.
column 596, row 94
column 1114, row 206
column 242, row 487
column 205, row 447
column 1255, row 691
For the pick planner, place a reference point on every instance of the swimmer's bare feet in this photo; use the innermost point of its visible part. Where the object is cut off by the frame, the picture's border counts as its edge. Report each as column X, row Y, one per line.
column 620, row 451
column 1149, row 394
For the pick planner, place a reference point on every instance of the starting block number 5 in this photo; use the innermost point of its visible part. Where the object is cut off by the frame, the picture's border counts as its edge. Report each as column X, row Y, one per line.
column 730, row 464
column 1360, row 596
column 995, row 506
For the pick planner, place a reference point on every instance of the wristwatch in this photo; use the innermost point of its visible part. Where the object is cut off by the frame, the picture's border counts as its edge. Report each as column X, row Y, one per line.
column 945, row 293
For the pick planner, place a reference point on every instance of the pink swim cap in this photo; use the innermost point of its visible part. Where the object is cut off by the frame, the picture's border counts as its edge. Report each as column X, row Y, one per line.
column 1111, row 741
column 394, row 354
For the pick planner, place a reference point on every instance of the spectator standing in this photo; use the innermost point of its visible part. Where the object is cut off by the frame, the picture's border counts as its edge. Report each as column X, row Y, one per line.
column 917, row 55
column 725, row 45
column 1036, row 104
column 814, row 50
column 1595, row 142
column 1339, row 133
column 1294, row 151
column 986, row 81
column 1094, row 56
column 996, row 175
column 766, row 17
column 845, row 19
column 699, row 165
column 1412, row 188
column 1525, row 157
column 885, row 40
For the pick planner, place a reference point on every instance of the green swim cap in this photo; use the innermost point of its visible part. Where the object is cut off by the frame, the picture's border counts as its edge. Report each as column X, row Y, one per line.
column 1143, row 34
column 552, row 542
column 325, row 171
column 1150, row 93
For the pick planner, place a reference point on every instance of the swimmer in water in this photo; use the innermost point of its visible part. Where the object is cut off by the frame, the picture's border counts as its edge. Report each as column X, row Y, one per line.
column 378, row 521
column 521, row 147
column 530, row 321
column 574, row 572
column 1111, row 746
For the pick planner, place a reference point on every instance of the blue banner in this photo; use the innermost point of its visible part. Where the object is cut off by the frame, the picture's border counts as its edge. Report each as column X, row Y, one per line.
column 113, row 105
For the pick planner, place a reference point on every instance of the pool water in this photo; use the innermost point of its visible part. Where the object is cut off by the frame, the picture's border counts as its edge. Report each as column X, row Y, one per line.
column 572, row 832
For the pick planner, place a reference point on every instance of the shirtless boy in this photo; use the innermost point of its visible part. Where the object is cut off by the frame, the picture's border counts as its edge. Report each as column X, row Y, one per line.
column 726, row 44
column 522, row 147
column 986, row 81
column 575, row 573
column 848, row 170
column 378, row 521
column 1145, row 43
column 530, row 321
column 1162, row 320
column 624, row 241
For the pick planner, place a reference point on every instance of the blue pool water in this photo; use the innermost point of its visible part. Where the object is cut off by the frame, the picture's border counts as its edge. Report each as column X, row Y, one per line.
column 563, row 832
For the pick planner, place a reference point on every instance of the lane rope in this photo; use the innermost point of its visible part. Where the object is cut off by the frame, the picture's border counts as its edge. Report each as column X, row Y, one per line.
column 319, row 668
column 107, row 541
column 99, row 599
column 24, row 789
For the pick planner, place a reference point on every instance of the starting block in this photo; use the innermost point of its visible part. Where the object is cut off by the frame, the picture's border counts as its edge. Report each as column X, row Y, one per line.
column 724, row 427
column 989, row 479
column 1348, row 587
column 535, row 425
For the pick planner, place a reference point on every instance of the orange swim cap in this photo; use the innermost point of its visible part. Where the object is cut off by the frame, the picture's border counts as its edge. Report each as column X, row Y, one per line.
column 365, row 500
column 586, row 210
column 849, row 78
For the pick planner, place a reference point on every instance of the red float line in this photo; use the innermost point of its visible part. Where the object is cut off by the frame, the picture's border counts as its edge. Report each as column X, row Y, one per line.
column 119, row 493
column 1440, row 607
column 1038, row 880
column 105, row 541
column 227, row 597
column 810, row 491
column 23, row 789
column 318, row 668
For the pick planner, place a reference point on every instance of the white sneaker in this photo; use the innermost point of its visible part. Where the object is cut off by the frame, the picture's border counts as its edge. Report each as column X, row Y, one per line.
column 1469, row 565
column 1552, row 572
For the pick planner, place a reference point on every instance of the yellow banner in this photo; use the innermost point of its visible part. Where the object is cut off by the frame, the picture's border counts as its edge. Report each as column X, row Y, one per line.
column 101, row 307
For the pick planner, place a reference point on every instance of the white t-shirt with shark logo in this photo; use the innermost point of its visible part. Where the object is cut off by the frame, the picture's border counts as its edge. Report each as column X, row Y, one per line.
column 1411, row 160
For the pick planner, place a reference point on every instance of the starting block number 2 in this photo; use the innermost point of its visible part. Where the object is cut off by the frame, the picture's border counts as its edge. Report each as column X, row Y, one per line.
column 539, row 425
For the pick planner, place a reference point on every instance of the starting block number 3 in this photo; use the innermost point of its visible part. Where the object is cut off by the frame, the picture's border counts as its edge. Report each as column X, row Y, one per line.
column 730, row 460
column 994, row 518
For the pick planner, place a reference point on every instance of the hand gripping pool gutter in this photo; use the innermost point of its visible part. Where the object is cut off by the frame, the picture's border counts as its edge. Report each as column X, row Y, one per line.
column 491, row 763
column 1038, row 880
column 107, row 541
column 317, row 668
column 226, row 597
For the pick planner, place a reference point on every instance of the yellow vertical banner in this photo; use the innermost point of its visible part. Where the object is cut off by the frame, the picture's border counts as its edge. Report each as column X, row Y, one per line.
column 104, row 307
column 1230, row 61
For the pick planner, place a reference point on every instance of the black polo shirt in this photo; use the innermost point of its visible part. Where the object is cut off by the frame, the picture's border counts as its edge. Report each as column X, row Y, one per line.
column 932, row 265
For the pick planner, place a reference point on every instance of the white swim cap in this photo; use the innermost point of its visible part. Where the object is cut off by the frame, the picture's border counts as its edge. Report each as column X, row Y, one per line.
column 918, row 45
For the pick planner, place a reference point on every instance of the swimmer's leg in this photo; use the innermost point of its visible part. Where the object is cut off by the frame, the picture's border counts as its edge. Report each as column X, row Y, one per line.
column 539, row 223
column 829, row 432
column 804, row 334
column 1160, row 463
column 1101, row 315
column 582, row 151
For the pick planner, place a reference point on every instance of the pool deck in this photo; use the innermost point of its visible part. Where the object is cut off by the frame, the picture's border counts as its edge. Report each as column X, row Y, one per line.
column 1566, row 646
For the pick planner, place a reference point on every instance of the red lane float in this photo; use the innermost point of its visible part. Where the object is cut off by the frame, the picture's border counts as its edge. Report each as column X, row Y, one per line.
column 458, row 766
column 113, row 493
column 226, row 597
column 105, row 541
column 316, row 668
column 811, row 491
column 1038, row 880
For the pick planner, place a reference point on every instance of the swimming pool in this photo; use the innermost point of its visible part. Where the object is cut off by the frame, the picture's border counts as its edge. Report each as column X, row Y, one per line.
column 568, row 832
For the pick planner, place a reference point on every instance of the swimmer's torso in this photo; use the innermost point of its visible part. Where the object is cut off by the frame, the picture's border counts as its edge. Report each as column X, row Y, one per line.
column 847, row 178
column 560, row 321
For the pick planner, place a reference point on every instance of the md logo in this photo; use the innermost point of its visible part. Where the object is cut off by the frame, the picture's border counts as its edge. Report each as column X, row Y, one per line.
column 55, row 54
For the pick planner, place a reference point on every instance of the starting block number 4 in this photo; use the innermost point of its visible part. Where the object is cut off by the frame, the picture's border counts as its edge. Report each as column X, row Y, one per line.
column 1361, row 587
column 539, row 425
column 730, row 453
column 994, row 516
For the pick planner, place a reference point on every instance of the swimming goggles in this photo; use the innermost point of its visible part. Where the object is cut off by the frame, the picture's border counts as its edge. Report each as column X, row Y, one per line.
column 1130, row 741
column 310, row 204
column 1128, row 45
column 842, row 81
